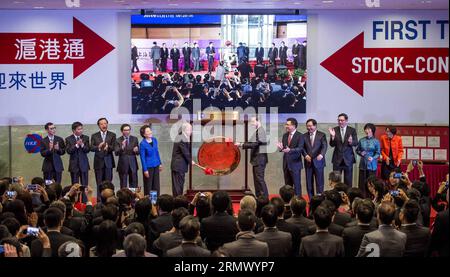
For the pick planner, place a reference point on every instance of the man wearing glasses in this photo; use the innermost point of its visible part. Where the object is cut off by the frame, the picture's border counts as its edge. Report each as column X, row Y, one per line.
column 126, row 148
column 52, row 148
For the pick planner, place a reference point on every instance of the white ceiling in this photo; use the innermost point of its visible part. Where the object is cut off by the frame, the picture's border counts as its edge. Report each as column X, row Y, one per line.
column 223, row 4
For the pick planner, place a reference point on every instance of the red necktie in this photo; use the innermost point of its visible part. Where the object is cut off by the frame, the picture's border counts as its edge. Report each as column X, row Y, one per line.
column 289, row 139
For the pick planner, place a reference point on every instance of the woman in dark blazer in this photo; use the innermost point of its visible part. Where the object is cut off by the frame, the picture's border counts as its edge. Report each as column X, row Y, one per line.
column 150, row 160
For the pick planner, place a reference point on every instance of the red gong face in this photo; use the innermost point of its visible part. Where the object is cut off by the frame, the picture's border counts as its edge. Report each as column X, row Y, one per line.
column 220, row 154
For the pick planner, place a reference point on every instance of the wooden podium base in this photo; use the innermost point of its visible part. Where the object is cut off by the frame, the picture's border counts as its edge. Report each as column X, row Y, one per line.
column 235, row 195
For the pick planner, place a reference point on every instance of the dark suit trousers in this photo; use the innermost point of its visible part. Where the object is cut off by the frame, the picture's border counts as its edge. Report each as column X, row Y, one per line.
column 175, row 65
column 348, row 172
column 283, row 61
column 131, row 176
column 296, row 62
column 258, row 180
column 259, row 60
column 163, row 65
column 363, row 175
column 135, row 66
column 177, row 183
column 53, row 175
column 156, row 65
column 152, row 182
column 314, row 174
column 293, row 178
column 210, row 64
column 102, row 174
column 187, row 64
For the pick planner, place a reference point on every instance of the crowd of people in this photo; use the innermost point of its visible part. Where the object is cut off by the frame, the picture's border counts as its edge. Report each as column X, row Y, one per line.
column 392, row 221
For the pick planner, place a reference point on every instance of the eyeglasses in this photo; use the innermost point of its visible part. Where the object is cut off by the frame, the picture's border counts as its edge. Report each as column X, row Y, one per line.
column 52, row 128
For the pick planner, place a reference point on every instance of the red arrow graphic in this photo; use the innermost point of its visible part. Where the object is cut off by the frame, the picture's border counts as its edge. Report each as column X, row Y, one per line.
column 94, row 48
column 353, row 64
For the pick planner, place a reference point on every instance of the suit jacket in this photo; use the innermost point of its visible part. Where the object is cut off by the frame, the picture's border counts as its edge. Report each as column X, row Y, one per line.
column 186, row 53
column 103, row 158
column 353, row 236
column 149, row 154
column 56, row 240
column 161, row 224
column 164, row 53
column 155, row 53
column 320, row 147
column 181, row 156
column 397, row 148
column 280, row 243
column 127, row 157
column 296, row 49
column 210, row 50
column 283, row 52
column 273, row 53
column 342, row 150
column 257, row 141
column 240, row 52
column 134, row 53
column 52, row 158
column 439, row 236
column 246, row 245
column 295, row 232
column 390, row 241
column 175, row 53
column 78, row 160
column 196, row 52
column 342, row 218
column 322, row 244
column 188, row 249
column 417, row 240
column 259, row 52
column 293, row 159
column 218, row 229
column 334, row 229
column 305, row 224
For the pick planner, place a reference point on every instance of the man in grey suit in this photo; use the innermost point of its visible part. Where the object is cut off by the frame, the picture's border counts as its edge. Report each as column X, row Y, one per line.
column 298, row 208
column 322, row 243
column 155, row 55
column 386, row 241
column 190, row 230
column 314, row 151
column 418, row 237
column 280, row 243
column 246, row 244
column 196, row 56
column 127, row 148
column 258, row 156
column 181, row 159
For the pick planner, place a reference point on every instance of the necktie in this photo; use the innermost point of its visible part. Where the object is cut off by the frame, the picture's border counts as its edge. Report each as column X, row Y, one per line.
column 289, row 139
column 311, row 138
column 126, row 141
column 77, row 138
column 342, row 134
column 103, row 136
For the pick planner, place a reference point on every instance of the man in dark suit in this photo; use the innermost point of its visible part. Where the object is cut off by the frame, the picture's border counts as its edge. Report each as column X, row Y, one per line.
column 102, row 144
column 134, row 58
column 273, row 53
column 386, row 241
column 302, row 55
column 127, row 148
column 417, row 237
column 164, row 57
column 181, row 159
column 52, row 148
column 163, row 222
column 280, row 243
column 259, row 53
column 439, row 237
column 292, row 148
column 295, row 54
column 53, row 218
column 343, row 138
column 190, row 229
column 353, row 235
column 283, row 54
column 258, row 156
column 77, row 146
column 186, row 57
column 284, row 226
column 333, row 228
column 298, row 208
column 246, row 244
column 196, row 56
column 221, row 227
column 322, row 243
column 245, row 69
column 240, row 52
column 246, row 51
column 314, row 151
column 210, row 53
column 175, row 56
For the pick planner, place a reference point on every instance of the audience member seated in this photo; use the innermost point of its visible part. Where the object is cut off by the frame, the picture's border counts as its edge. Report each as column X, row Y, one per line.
column 249, row 202
column 280, row 243
column 417, row 237
column 284, row 226
column 286, row 193
column 322, row 243
column 190, row 230
column 298, row 208
column 246, row 244
column 163, row 222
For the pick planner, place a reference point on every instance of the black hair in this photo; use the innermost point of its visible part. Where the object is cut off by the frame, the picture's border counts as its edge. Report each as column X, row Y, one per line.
column 220, row 201
column 278, row 203
column 107, row 238
column 293, row 121
column 47, row 125
column 100, row 119
column 143, row 208
column 392, row 129
column 123, row 126
column 335, row 176
column 135, row 228
column 142, row 130
column 314, row 122
column 12, row 224
column 38, row 181
column 334, row 196
column 261, row 201
column 352, row 193
column 386, row 213
column 341, row 187
column 189, row 227
column 411, row 211
column 53, row 217
column 269, row 215
column 180, row 201
column 165, row 203
column 286, row 193
column 75, row 125
column 344, row 115
column 422, row 187
column 177, row 215
column 203, row 207
column 371, row 127
column 322, row 217
column 298, row 205
column 124, row 196
column 109, row 212
column 364, row 212
column 246, row 220
column 315, row 201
